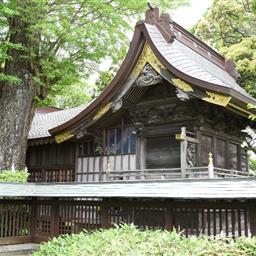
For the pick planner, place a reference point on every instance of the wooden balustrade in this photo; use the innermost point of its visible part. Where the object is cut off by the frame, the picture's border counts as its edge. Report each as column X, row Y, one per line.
column 69, row 174
column 55, row 174
column 38, row 220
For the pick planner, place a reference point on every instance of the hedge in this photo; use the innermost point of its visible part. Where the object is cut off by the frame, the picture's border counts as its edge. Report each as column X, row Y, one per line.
column 128, row 240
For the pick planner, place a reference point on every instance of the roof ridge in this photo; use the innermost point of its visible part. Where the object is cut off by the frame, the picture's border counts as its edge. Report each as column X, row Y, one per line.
column 171, row 30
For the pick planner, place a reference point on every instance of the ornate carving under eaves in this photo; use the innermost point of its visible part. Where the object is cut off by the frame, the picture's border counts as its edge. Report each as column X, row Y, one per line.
column 161, row 114
column 148, row 77
column 191, row 154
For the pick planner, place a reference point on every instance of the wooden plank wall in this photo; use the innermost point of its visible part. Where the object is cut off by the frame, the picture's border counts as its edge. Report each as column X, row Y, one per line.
column 38, row 220
column 95, row 168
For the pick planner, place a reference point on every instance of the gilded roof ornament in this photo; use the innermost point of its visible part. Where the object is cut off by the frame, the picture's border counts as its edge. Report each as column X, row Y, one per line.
column 63, row 137
column 216, row 98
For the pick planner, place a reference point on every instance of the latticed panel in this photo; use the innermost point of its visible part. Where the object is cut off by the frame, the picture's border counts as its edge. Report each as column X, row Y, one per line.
column 43, row 220
column 15, row 219
column 74, row 218
column 143, row 217
column 231, row 222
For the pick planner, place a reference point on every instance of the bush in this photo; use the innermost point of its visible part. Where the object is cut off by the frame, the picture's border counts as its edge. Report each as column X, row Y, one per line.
column 128, row 240
column 14, row 176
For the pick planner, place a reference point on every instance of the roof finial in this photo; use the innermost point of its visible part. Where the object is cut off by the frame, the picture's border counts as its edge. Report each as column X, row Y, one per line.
column 163, row 22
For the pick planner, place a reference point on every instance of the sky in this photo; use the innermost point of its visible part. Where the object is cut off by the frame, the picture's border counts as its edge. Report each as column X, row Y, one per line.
column 185, row 16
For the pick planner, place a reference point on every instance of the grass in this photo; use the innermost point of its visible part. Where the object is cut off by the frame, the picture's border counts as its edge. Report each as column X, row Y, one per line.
column 130, row 241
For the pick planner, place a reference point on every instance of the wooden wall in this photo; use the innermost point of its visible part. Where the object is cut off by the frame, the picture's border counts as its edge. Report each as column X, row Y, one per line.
column 52, row 162
column 38, row 220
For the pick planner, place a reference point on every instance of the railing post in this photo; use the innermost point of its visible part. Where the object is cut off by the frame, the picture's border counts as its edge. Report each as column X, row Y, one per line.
column 108, row 170
column 210, row 167
column 182, row 137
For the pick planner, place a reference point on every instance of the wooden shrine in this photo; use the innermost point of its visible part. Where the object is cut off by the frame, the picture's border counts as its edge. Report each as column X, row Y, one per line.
column 161, row 147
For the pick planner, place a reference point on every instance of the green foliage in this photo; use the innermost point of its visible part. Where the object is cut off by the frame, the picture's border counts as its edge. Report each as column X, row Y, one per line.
column 73, row 95
column 252, row 165
column 128, row 240
column 66, row 39
column 244, row 54
column 230, row 27
column 14, row 176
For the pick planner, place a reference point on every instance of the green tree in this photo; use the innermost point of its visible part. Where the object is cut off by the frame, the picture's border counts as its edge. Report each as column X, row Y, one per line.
column 230, row 27
column 53, row 43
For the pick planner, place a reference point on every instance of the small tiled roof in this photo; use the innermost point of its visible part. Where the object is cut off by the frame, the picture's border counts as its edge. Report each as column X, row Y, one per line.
column 192, row 63
column 182, row 189
column 43, row 121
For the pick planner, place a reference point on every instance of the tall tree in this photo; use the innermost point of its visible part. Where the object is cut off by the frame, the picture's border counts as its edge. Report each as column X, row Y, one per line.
column 230, row 27
column 47, row 43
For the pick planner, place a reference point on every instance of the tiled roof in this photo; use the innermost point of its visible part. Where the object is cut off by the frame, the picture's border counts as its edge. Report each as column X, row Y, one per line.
column 182, row 189
column 43, row 122
column 192, row 63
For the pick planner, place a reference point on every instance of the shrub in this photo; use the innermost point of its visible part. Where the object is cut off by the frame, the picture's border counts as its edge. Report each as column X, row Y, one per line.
column 128, row 240
column 14, row 176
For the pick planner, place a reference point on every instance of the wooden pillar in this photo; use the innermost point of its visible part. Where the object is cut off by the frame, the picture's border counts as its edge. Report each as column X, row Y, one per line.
column 183, row 157
column 33, row 219
column 168, row 216
column 54, row 217
column 252, row 218
column 105, row 218
column 183, row 150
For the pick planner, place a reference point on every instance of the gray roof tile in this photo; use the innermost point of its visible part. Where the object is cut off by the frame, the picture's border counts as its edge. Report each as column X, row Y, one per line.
column 43, row 122
column 184, row 189
column 192, row 63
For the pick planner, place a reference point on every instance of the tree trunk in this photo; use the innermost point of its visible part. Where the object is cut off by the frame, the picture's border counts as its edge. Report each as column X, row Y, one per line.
column 16, row 100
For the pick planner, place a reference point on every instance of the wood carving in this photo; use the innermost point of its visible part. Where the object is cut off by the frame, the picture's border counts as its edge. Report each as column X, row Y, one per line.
column 244, row 160
column 161, row 114
column 191, row 154
column 148, row 77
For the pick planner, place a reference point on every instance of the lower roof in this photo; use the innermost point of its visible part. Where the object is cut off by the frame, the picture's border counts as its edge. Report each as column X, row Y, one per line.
column 244, row 188
column 44, row 120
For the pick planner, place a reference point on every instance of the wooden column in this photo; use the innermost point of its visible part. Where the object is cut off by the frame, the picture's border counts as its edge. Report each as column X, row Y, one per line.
column 183, row 151
column 183, row 157
column 33, row 219
column 55, row 217
column 168, row 216
column 105, row 218
column 252, row 218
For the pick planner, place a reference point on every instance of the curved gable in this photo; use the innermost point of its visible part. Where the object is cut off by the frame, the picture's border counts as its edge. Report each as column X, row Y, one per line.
column 193, row 68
